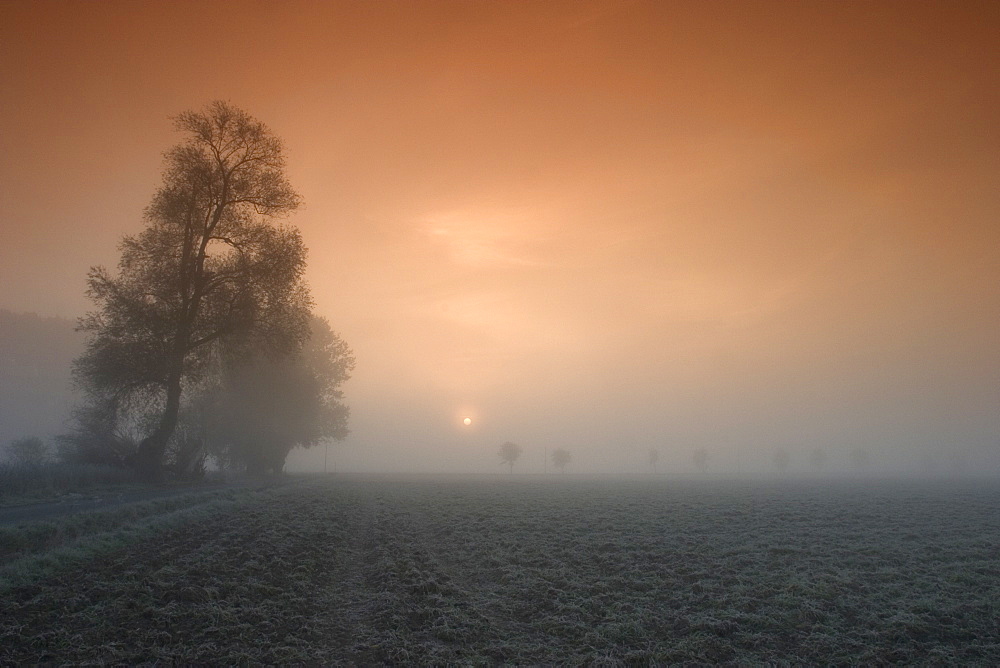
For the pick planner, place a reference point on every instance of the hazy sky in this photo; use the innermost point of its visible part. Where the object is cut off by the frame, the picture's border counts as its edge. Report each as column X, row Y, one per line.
column 601, row 225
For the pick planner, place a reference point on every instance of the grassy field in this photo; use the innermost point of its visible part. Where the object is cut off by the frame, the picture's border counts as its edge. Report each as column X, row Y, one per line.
column 514, row 570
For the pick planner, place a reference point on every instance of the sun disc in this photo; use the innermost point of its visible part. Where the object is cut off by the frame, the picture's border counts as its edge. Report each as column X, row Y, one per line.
column 467, row 421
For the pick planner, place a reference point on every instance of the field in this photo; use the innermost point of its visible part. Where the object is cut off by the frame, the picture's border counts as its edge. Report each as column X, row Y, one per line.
column 369, row 570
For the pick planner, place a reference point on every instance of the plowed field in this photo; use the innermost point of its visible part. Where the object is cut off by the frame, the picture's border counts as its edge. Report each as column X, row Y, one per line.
column 374, row 570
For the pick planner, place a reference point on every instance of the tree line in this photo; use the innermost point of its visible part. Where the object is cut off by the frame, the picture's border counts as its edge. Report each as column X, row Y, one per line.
column 509, row 452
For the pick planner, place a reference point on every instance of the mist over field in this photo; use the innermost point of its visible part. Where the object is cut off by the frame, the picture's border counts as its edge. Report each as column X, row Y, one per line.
column 37, row 352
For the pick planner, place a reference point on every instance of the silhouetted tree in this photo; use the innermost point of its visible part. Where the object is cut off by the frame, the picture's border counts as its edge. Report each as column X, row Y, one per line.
column 29, row 451
column 509, row 452
column 561, row 457
column 781, row 459
column 265, row 405
column 654, row 457
column 701, row 459
column 208, row 266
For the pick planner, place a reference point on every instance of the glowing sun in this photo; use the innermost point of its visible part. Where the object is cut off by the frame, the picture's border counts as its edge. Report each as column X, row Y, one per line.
column 467, row 421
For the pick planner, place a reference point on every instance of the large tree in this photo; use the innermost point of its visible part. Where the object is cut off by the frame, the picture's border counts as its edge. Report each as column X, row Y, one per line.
column 208, row 266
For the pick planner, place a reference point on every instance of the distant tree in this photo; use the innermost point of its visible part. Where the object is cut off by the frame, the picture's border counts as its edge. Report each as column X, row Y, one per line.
column 29, row 451
column 208, row 267
column 653, row 457
column 509, row 452
column 701, row 458
column 818, row 458
column 561, row 457
column 781, row 459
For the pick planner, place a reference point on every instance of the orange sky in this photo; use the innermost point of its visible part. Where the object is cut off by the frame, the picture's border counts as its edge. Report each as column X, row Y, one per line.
column 604, row 225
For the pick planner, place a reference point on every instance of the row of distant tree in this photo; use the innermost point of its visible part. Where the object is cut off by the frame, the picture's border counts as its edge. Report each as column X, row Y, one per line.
column 510, row 452
column 781, row 459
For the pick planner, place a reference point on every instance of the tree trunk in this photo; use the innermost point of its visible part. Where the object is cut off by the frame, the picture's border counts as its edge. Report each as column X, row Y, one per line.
column 190, row 459
column 150, row 456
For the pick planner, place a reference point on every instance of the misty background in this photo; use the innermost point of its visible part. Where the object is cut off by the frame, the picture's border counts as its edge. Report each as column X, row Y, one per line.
column 607, row 227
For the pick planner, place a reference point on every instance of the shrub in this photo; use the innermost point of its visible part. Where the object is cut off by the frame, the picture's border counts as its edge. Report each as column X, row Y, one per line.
column 29, row 452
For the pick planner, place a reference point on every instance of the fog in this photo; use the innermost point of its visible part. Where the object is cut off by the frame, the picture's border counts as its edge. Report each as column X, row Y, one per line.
column 603, row 226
